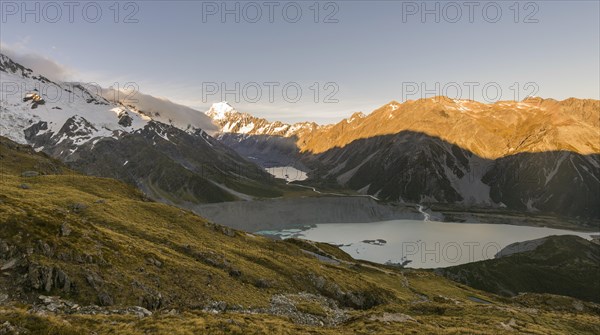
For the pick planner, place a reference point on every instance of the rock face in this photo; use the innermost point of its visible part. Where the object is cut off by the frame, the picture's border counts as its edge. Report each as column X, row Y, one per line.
column 265, row 150
column 535, row 155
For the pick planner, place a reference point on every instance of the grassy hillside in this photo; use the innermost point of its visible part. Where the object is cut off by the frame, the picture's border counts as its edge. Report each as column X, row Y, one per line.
column 78, row 254
column 566, row 265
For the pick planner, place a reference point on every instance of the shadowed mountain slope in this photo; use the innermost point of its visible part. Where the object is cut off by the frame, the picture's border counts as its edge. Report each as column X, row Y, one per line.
column 565, row 265
column 414, row 167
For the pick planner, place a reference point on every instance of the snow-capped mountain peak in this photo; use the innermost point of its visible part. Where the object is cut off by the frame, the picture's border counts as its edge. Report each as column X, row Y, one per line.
column 230, row 120
column 220, row 110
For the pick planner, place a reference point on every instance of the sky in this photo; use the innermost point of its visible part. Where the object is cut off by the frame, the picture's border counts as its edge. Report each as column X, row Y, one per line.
column 300, row 61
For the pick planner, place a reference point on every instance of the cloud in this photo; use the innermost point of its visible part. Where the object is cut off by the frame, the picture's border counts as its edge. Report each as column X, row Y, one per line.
column 161, row 109
column 38, row 63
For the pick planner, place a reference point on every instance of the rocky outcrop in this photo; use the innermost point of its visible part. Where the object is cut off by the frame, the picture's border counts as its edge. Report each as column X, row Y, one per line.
column 125, row 119
column 352, row 299
column 54, row 304
column 45, row 278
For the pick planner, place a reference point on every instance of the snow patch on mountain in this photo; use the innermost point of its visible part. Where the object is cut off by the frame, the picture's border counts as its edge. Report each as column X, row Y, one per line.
column 557, row 165
column 470, row 185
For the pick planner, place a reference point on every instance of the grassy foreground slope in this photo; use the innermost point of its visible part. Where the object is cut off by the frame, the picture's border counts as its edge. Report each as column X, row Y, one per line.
column 78, row 254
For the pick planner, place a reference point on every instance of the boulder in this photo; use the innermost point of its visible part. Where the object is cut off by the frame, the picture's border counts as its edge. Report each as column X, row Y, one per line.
column 105, row 299
column 77, row 207
column 65, row 230
column 28, row 174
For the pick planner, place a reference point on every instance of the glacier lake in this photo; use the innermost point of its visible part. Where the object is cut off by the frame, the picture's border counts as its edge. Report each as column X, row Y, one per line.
column 426, row 244
column 289, row 173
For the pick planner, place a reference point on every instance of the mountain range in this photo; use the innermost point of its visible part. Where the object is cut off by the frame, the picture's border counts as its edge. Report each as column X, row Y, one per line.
column 532, row 156
column 537, row 155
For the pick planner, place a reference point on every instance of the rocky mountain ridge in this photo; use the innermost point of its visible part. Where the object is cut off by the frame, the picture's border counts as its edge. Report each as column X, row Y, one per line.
column 489, row 130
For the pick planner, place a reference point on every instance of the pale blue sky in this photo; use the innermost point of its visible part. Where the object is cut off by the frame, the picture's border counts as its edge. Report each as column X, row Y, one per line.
column 370, row 54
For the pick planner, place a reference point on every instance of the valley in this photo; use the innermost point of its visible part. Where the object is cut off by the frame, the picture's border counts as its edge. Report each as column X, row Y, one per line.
column 169, row 152
column 300, row 167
